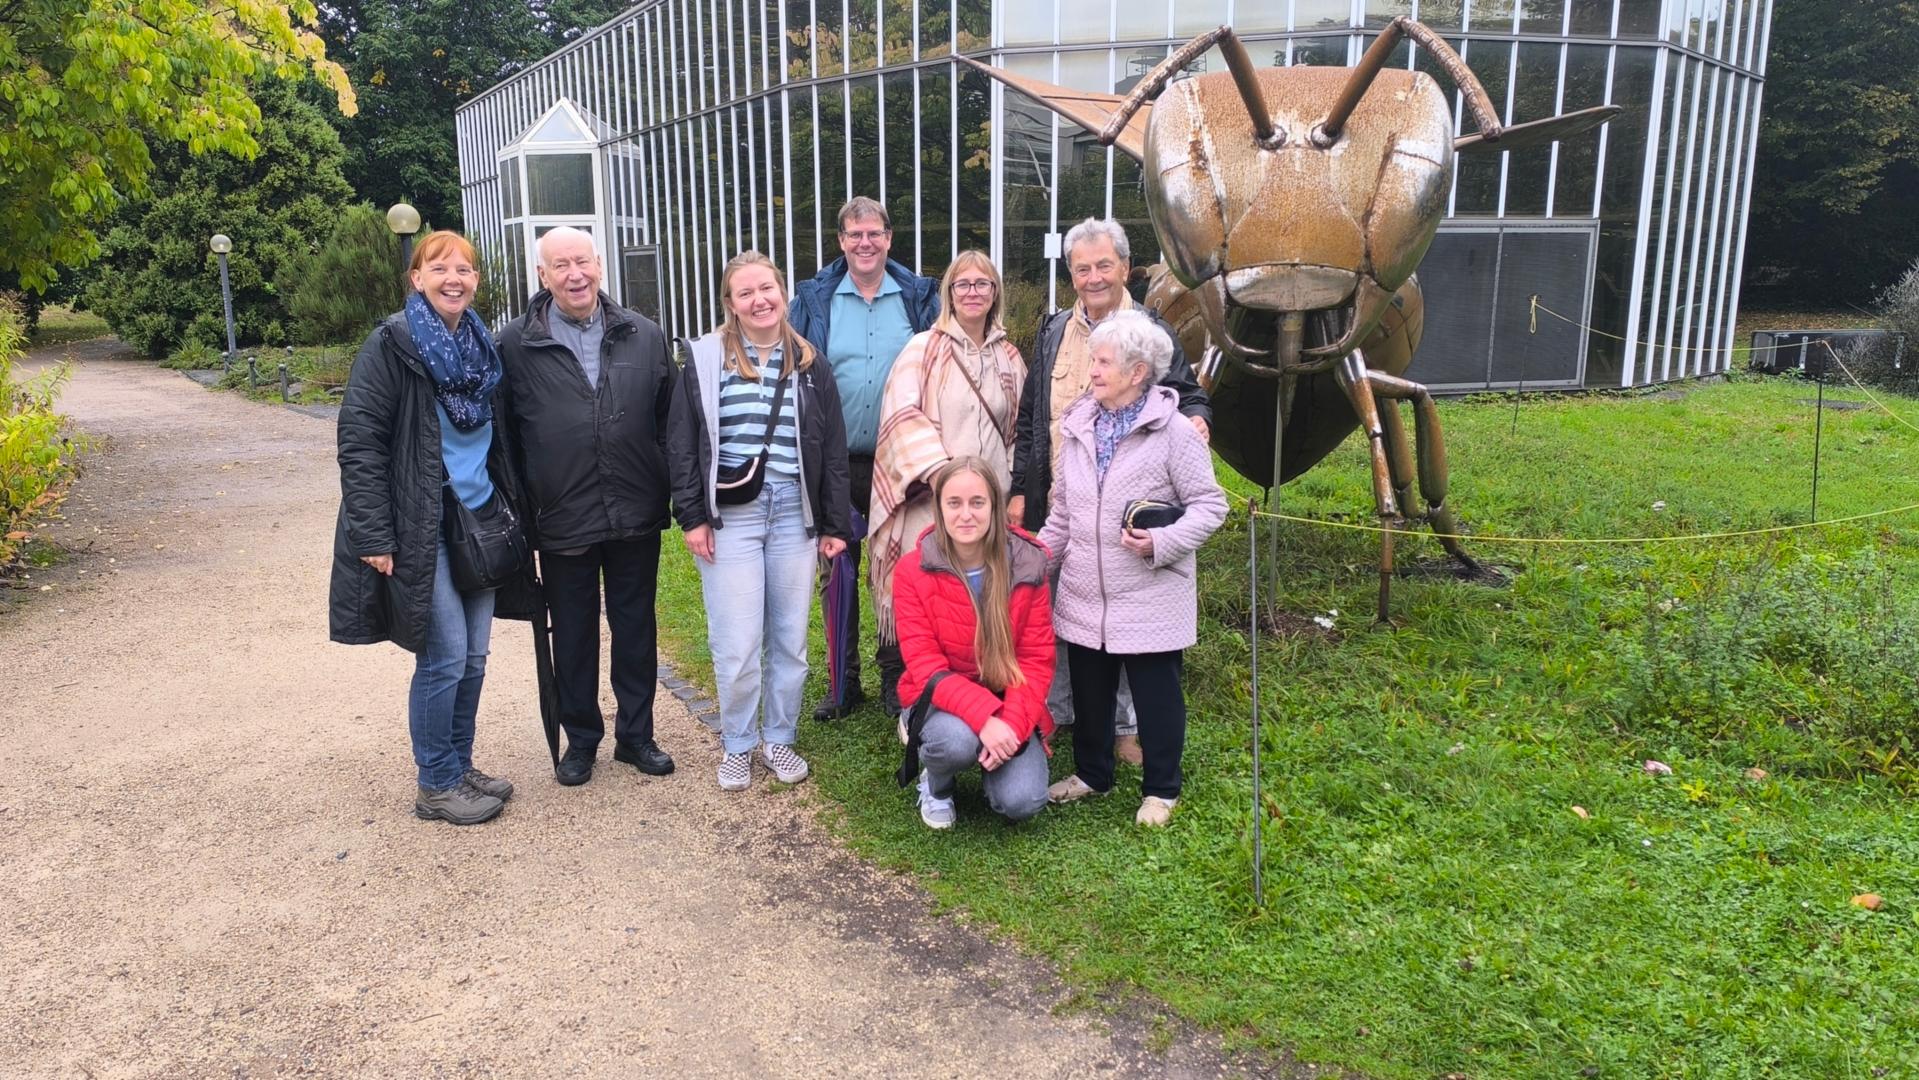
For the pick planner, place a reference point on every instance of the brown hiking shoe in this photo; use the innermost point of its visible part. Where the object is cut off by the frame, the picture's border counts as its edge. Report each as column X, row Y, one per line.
column 462, row 804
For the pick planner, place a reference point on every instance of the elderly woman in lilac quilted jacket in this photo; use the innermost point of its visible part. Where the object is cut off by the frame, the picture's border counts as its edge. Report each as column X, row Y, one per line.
column 1127, row 600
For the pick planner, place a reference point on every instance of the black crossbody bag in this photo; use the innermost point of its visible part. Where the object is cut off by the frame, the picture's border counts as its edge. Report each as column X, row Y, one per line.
column 485, row 548
column 742, row 483
column 909, row 769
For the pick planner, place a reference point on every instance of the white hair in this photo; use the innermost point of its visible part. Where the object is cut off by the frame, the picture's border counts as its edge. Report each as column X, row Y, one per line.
column 1094, row 228
column 1138, row 341
column 564, row 232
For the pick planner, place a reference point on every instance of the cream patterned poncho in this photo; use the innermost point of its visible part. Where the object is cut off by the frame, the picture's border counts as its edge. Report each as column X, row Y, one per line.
column 946, row 398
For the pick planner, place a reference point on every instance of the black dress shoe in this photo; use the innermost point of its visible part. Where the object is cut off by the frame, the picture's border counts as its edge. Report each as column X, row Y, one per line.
column 576, row 767
column 827, row 710
column 646, row 757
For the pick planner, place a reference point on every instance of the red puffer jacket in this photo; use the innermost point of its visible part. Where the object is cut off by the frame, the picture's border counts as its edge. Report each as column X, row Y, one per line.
column 933, row 609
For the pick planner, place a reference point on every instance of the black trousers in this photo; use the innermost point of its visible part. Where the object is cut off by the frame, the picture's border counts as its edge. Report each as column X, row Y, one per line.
column 571, row 584
column 1159, row 700
column 887, row 656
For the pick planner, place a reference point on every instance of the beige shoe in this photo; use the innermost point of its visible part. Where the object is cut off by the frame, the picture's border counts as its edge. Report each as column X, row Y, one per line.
column 1155, row 811
column 1069, row 790
column 1126, row 748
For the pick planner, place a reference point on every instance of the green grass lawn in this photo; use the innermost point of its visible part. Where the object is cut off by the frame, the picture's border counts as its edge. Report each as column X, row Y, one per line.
column 63, row 326
column 1434, row 903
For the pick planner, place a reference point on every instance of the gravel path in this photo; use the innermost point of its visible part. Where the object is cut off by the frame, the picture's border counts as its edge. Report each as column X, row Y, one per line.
column 209, row 864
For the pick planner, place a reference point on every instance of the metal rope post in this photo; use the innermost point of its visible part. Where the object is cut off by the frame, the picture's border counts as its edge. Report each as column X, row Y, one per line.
column 1252, row 637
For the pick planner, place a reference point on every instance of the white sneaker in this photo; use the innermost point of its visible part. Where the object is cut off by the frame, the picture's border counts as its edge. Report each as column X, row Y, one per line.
column 736, row 772
column 936, row 812
column 1155, row 811
column 1069, row 790
column 788, row 767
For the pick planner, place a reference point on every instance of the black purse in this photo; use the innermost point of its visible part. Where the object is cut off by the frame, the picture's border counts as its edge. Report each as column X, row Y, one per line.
column 741, row 483
column 909, row 769
column 485, row 548
column 1150, row 514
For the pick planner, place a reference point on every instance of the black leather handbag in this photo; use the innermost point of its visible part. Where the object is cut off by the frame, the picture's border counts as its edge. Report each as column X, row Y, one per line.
column 909, row 769
column 1150, row 514
column 741, row 483
column 485, row 548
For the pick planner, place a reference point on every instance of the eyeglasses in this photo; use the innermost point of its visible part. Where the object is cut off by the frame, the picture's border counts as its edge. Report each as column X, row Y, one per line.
column 980, row 286
column 873, row 237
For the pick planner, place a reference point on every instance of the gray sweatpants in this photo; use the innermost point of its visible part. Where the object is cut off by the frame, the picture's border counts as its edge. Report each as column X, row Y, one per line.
column 1016, row 790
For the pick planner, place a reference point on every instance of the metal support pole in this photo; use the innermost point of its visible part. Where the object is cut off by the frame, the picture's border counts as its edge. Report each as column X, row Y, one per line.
column 226, row 297
column 406, row 251
column 1252, row 638
column 226, row 363
column 1818, row 430
column 253, row 371
column 284, row 396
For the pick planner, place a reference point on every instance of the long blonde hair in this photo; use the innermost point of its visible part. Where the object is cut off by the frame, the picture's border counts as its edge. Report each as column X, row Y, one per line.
column 796, row 350
column 971, row 258
column 992, row 605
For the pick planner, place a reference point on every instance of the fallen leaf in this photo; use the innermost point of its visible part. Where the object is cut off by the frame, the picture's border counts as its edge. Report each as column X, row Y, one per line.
column 1871, row 901
column 17, row 536
column 1580, row 811
column 1657, row 768
column 1756, row 773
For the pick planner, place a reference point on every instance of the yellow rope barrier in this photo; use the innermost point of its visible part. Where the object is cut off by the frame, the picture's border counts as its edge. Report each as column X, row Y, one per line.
column 1538, row 307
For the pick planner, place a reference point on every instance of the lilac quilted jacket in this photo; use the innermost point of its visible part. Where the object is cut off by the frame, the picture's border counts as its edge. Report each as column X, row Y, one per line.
column 1108, row 597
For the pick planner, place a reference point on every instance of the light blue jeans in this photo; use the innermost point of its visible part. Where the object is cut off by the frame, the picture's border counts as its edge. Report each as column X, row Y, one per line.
column 759, row 595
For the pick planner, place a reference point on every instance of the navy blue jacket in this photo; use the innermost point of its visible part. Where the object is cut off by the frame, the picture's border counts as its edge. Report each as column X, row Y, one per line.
column 812, row 311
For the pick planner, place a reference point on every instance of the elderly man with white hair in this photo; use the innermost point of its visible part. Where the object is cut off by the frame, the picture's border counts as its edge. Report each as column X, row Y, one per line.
column 588, row 385
column 1127, row 602
column 1100, row 259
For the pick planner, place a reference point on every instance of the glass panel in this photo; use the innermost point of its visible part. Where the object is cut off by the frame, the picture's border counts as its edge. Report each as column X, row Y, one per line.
column 975, row 30
column 1197, row 16
column 1626, row 134
column 705, row 45
column 1491, row 16
column 862, row 35
column 1082, row 160
column 1147, row 19
column 1321, row 14
column 936, row 27
column 1476, row 183
column 1579, row 156
column 1263, row 15
column 1592, row 18
column 510, row 187
column 1535, row 84
column 1028, row 179
column 1381, row 12
column 975, row 208
column 516, row 267
column 1085, row 20
column 774, row 157
column 640, row 281
column 899, row 130
column 771, row 41
column 1446, row 15
column 829, row 37
column 1136, row 64
column 1541, row 16
column 833, row 193
column 740, row 77
column 864, row 124
column 1638, row 18
column 799, row 39
column 542, row 230
column 1676, row 20
column 935, row 167
column 896, row 31
column 805, row 184
column 559, row 183
column 1029, row 22
column 1320, row 51
column 558, row 128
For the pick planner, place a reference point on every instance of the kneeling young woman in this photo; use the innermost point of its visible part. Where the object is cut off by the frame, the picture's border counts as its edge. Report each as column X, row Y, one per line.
column 974, row 620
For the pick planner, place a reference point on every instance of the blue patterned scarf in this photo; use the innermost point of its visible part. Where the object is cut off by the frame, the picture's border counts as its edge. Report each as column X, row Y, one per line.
column 1109, row 427
column 464, row 365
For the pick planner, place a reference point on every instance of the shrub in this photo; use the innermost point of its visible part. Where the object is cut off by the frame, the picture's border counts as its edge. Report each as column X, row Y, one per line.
column 1886, row 363
column 340, row 292
column 158, row 286
column 33, row 453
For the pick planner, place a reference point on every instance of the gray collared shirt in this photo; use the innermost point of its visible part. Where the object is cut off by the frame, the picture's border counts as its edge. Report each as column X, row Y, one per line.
column 583, row 338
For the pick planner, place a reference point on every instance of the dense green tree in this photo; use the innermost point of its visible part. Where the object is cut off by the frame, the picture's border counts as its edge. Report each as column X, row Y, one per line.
column 416, row 62
column 90, row 89
column 158, row 286
column 1837, row 181
column 339, row 292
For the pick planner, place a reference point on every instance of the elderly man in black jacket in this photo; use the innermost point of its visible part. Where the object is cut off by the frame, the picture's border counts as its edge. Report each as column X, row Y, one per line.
column 589, row 385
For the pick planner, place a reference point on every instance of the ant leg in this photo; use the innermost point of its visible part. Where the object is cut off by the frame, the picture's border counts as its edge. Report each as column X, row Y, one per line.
column 1431, row 440
column 1354, row 378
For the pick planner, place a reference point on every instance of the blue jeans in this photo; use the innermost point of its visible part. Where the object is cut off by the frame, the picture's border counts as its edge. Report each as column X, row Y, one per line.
column 759, row 593
column 447, row 673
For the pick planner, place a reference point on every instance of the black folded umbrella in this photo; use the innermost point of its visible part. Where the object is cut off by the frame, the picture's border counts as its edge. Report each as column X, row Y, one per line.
column 543, row 674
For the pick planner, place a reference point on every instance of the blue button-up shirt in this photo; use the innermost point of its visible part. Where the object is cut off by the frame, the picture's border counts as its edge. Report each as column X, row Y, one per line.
column 863, row 337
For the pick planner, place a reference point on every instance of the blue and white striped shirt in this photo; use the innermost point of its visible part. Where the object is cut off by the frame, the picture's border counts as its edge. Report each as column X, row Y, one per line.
column 744, row 405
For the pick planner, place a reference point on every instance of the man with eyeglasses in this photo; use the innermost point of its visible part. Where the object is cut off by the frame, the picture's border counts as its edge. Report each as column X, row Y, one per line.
column 1100, row 260
column 859, row 312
